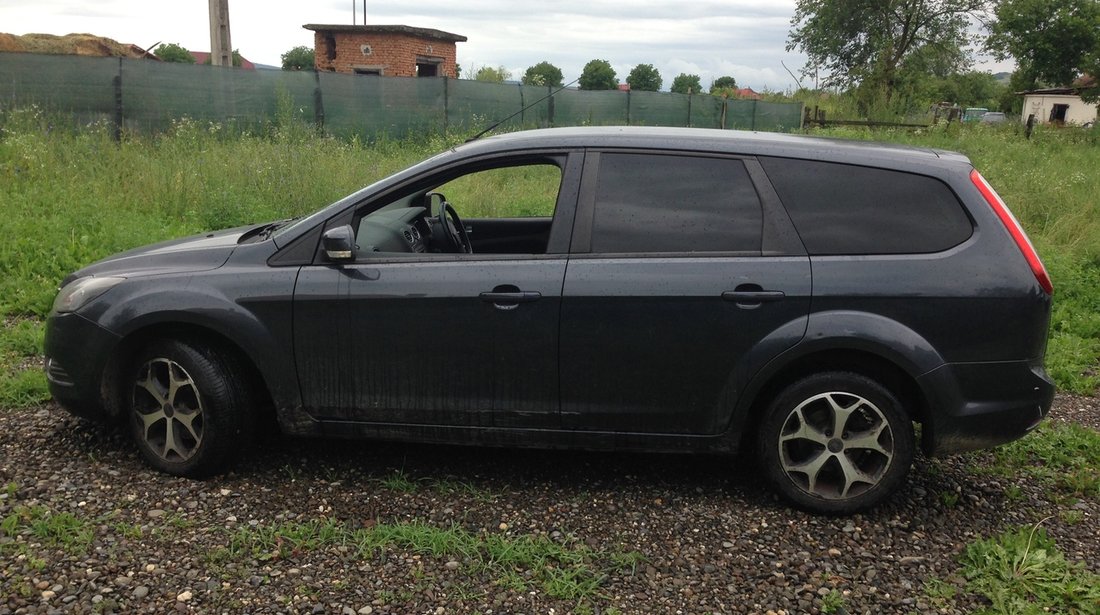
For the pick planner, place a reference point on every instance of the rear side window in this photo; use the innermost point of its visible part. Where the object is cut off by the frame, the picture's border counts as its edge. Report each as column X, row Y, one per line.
column 847, row 209
column 662, row 203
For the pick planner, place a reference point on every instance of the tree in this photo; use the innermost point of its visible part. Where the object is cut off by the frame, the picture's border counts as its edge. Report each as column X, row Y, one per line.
column 543, row 73
column 723, row 83
column 868, row 42
column 299, row 58
column 1054, row 41
column 171, row 52
column 687, row 84
column 645, row 78
column 492, row 75
column 237, row 60
column 969, row 89
column 598, row 75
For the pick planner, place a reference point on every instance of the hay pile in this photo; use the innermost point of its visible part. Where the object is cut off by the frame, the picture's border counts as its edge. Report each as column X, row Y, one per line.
column 70, row 44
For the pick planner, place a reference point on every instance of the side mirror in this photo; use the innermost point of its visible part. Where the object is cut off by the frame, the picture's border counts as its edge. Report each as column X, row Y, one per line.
column 339, row 244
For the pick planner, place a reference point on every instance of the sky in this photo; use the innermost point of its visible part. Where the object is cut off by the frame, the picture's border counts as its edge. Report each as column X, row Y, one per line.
column 745, row 39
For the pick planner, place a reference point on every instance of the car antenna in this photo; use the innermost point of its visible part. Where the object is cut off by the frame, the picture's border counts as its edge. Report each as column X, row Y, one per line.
column 524, row 108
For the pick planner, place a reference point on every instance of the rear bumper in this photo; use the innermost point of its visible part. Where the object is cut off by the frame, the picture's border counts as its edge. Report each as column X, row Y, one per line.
column 981, row 405
column 77, row 350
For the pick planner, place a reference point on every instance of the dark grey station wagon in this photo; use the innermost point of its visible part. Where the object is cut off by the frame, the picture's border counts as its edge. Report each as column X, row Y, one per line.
column 657, row 289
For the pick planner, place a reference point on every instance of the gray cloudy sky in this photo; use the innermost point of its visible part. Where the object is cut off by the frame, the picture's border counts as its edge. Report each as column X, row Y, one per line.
column 710, row 38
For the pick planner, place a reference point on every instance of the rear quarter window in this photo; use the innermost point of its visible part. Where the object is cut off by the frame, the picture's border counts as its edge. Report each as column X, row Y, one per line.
column 848, row 209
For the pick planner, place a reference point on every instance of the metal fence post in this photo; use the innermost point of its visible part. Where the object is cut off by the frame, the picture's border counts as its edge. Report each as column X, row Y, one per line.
column 550, row 107
column 628, row 107
column 522, row 107
column 318, row 103
column 690, row 98
column 116, row 129
column 446, row 104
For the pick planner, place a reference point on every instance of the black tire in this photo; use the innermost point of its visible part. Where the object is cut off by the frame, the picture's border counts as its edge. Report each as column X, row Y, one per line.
column 189, row 407
column 838, row 473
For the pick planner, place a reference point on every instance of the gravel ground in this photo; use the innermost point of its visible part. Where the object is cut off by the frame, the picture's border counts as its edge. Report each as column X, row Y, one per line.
column 712, row 536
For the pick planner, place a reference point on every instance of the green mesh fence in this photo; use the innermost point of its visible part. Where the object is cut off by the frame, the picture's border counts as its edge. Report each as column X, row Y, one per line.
column 147, row 96
column 155, row 93
column 79, row 85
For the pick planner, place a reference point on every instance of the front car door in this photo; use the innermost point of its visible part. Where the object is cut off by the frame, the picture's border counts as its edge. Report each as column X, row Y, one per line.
column 435, row 337
column 680, row 266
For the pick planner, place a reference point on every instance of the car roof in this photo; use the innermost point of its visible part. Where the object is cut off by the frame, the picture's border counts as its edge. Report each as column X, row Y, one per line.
column 714, row 140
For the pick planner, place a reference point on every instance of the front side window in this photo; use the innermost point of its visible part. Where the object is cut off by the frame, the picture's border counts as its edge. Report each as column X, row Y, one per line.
column 504, row 209
column 654, row 203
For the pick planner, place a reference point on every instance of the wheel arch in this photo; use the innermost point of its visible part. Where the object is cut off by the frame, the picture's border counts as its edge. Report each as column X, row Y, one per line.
column 870, row 344
column 112, row 386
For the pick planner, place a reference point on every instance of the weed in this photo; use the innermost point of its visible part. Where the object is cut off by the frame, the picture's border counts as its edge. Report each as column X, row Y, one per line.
column 1071, row 516
column 940, row 593
column 949, row 498
column 1023, row 571
column 1014, row 493
column 832, row 602
column 400, row 482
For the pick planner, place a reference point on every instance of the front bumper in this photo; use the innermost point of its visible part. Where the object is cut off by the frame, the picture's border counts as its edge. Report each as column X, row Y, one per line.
column 77, row 351
column 981, row 405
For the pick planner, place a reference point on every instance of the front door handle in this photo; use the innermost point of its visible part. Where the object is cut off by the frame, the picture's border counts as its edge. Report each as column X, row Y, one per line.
column 509, row 297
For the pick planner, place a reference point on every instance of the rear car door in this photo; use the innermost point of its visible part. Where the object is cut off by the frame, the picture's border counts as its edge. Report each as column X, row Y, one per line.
column 685, row 276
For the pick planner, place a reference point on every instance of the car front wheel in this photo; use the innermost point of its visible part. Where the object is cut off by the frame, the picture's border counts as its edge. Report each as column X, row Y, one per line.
column 836, row 442
column 189, row 407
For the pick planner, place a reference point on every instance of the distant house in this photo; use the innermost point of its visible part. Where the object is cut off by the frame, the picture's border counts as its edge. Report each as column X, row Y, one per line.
column 203, row 57
column 1060, row 105
column 746, row 93
column 392, row 51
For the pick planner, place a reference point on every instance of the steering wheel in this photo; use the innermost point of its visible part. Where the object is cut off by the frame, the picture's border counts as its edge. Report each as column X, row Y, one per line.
column 453, row 229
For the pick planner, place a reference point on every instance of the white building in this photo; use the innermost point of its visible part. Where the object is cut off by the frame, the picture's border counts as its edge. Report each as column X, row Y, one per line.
column 1057, row 105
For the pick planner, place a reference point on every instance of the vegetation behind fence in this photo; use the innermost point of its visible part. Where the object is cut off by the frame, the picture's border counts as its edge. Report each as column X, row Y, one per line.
column 146, row 96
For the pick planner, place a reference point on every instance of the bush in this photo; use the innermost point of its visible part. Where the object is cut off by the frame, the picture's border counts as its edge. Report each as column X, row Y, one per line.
column 171, row 52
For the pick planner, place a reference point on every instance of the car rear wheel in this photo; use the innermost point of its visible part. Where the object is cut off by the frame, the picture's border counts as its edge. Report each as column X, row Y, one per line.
column 188, row 407
column 836, row 442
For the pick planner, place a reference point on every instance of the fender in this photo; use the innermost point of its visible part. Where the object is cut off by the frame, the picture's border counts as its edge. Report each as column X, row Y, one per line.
column 843, row 330
column 259, row 325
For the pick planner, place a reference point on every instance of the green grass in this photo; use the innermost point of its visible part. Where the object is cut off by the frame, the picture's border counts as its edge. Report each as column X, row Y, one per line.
column 25, row 524
column 570, row 570
column 1063, row 456
column 1022, row 572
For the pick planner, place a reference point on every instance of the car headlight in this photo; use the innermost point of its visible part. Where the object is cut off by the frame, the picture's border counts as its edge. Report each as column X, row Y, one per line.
column 80, row 292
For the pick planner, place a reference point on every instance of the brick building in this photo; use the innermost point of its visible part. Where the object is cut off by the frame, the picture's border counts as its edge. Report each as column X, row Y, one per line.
column 392, row 51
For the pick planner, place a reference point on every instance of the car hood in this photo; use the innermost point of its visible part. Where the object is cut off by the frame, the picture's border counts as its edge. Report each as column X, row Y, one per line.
column 196, row 253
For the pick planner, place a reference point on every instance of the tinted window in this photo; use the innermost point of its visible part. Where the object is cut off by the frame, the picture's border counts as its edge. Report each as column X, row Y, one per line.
column 846, row 209
column 655, row 203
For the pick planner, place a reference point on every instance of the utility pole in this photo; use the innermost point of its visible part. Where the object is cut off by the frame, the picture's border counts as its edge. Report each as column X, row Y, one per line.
column 221, row 49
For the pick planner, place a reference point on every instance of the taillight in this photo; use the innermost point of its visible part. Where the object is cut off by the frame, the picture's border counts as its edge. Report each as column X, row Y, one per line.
column 1014, row 229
